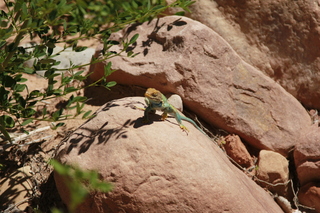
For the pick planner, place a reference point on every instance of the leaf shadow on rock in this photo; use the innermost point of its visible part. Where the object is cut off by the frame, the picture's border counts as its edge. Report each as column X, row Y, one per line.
column 85, row 136
column 155, row 37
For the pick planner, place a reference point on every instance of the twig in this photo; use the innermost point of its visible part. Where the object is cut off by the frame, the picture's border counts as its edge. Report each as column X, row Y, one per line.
column 25, row 144
column 23, row 136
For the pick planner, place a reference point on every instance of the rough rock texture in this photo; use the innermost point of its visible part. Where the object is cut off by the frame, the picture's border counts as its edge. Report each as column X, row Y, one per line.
column 281, row 38
column 237, row 151
column 273, row 168
column 157, row 167
column 309, row 195
column 307, row 157
column 183, row 56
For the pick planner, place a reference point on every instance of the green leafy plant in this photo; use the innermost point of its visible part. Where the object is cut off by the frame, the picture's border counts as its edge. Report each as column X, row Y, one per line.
column 63, row 22
column 80, row 182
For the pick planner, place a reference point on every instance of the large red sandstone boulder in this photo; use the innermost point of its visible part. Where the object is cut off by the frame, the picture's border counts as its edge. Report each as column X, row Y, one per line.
column 156, row 167
column 281, row 38
column 179, row 55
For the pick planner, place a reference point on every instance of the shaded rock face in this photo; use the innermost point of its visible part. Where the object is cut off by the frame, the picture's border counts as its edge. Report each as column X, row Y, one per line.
column 307, row 157
column 183, row 56
column 309, row 195
column 307, row 162
column 156, row 167
column 281, row 38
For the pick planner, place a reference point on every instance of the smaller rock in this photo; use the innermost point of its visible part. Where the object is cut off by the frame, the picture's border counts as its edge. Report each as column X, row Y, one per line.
column 307, row 157
column 309, row 195
column 176, row 101
column 66, row 57
column 237, row 151
column 273, row 169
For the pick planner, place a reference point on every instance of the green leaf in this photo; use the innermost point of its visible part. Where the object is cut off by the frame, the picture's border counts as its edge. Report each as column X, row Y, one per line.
column 28, row 70
column 56, row 126
column 33, row 94
column 129, row 53
column 112, row 42
column 158, row 7
column 111, row 84
column 103, row 187
column 47, row 61
column 107, row 69
column 79, row 99
column 27, row 113
column 134, row 38
column 86, row 114
column 60, row 168
column 180, row 13
column 79, row 49
column 7, row 121
column 20, row 87
column 4, row 131
column 9, row 81
column 3, row 24
column 26, row 122
column 24, row 11
column 57, row 114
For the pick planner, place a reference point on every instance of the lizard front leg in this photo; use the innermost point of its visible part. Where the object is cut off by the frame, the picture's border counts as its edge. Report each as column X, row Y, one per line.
column 164, row 116
column 146, row 115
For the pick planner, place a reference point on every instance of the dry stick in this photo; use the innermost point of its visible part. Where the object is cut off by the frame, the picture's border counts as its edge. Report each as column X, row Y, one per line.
column 23, row 136
column 35, row 141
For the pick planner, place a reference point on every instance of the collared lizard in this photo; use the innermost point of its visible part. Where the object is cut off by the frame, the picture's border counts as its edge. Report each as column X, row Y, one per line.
column 155, row 100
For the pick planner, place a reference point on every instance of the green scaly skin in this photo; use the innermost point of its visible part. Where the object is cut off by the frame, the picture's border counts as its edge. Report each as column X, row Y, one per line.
column 155, row 100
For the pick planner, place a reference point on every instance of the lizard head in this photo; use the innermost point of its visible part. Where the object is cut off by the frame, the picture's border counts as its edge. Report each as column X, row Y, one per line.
column 153, row 95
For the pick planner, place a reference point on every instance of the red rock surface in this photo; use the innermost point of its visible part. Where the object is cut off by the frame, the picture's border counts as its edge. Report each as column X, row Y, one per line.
column 281, row 38
column 157, row 167
column 182, row 56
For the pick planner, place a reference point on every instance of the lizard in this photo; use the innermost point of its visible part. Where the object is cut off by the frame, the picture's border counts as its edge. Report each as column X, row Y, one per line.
column 155, row 100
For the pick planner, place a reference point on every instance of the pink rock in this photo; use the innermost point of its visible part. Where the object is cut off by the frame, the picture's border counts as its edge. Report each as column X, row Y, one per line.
column 307, row 157
column 273, row 168
column 156, row 167
column 278, row 38
column 237, row 151
column 183, row 56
